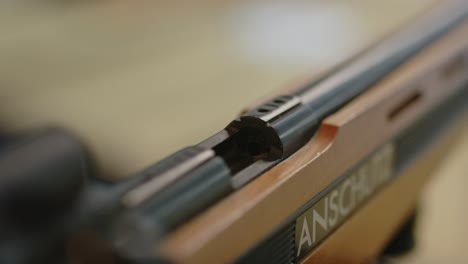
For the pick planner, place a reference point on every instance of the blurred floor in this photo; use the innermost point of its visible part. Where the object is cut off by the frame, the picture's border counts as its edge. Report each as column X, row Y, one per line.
column 138, row 81
column 442, row 233
column 141, row 79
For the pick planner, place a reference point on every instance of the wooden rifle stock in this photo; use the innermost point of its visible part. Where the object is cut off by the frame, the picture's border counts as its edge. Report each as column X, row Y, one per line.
column 325, row 172
column 252, row 215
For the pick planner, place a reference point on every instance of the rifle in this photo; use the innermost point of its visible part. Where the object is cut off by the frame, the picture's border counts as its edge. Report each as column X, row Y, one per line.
column 326, row 172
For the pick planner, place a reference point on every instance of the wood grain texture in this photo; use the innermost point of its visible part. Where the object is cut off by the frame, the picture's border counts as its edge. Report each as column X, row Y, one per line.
column 346, row 137
column 365, row 234
column 111, row 73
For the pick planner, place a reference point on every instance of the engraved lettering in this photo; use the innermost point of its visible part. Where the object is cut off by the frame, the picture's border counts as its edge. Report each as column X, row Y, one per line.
column 305, row 236
column 334, row 210
column 347, row 194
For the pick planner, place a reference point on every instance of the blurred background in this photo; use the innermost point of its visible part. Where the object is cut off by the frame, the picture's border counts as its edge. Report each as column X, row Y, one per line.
column 137, row 80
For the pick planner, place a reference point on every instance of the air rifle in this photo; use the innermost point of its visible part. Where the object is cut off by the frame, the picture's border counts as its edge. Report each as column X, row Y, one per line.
column 327, row 172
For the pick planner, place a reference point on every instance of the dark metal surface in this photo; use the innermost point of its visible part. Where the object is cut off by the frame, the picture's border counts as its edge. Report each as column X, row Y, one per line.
column 268, row 134
column 136, row 213
column 408, row 146
column 42, row 174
